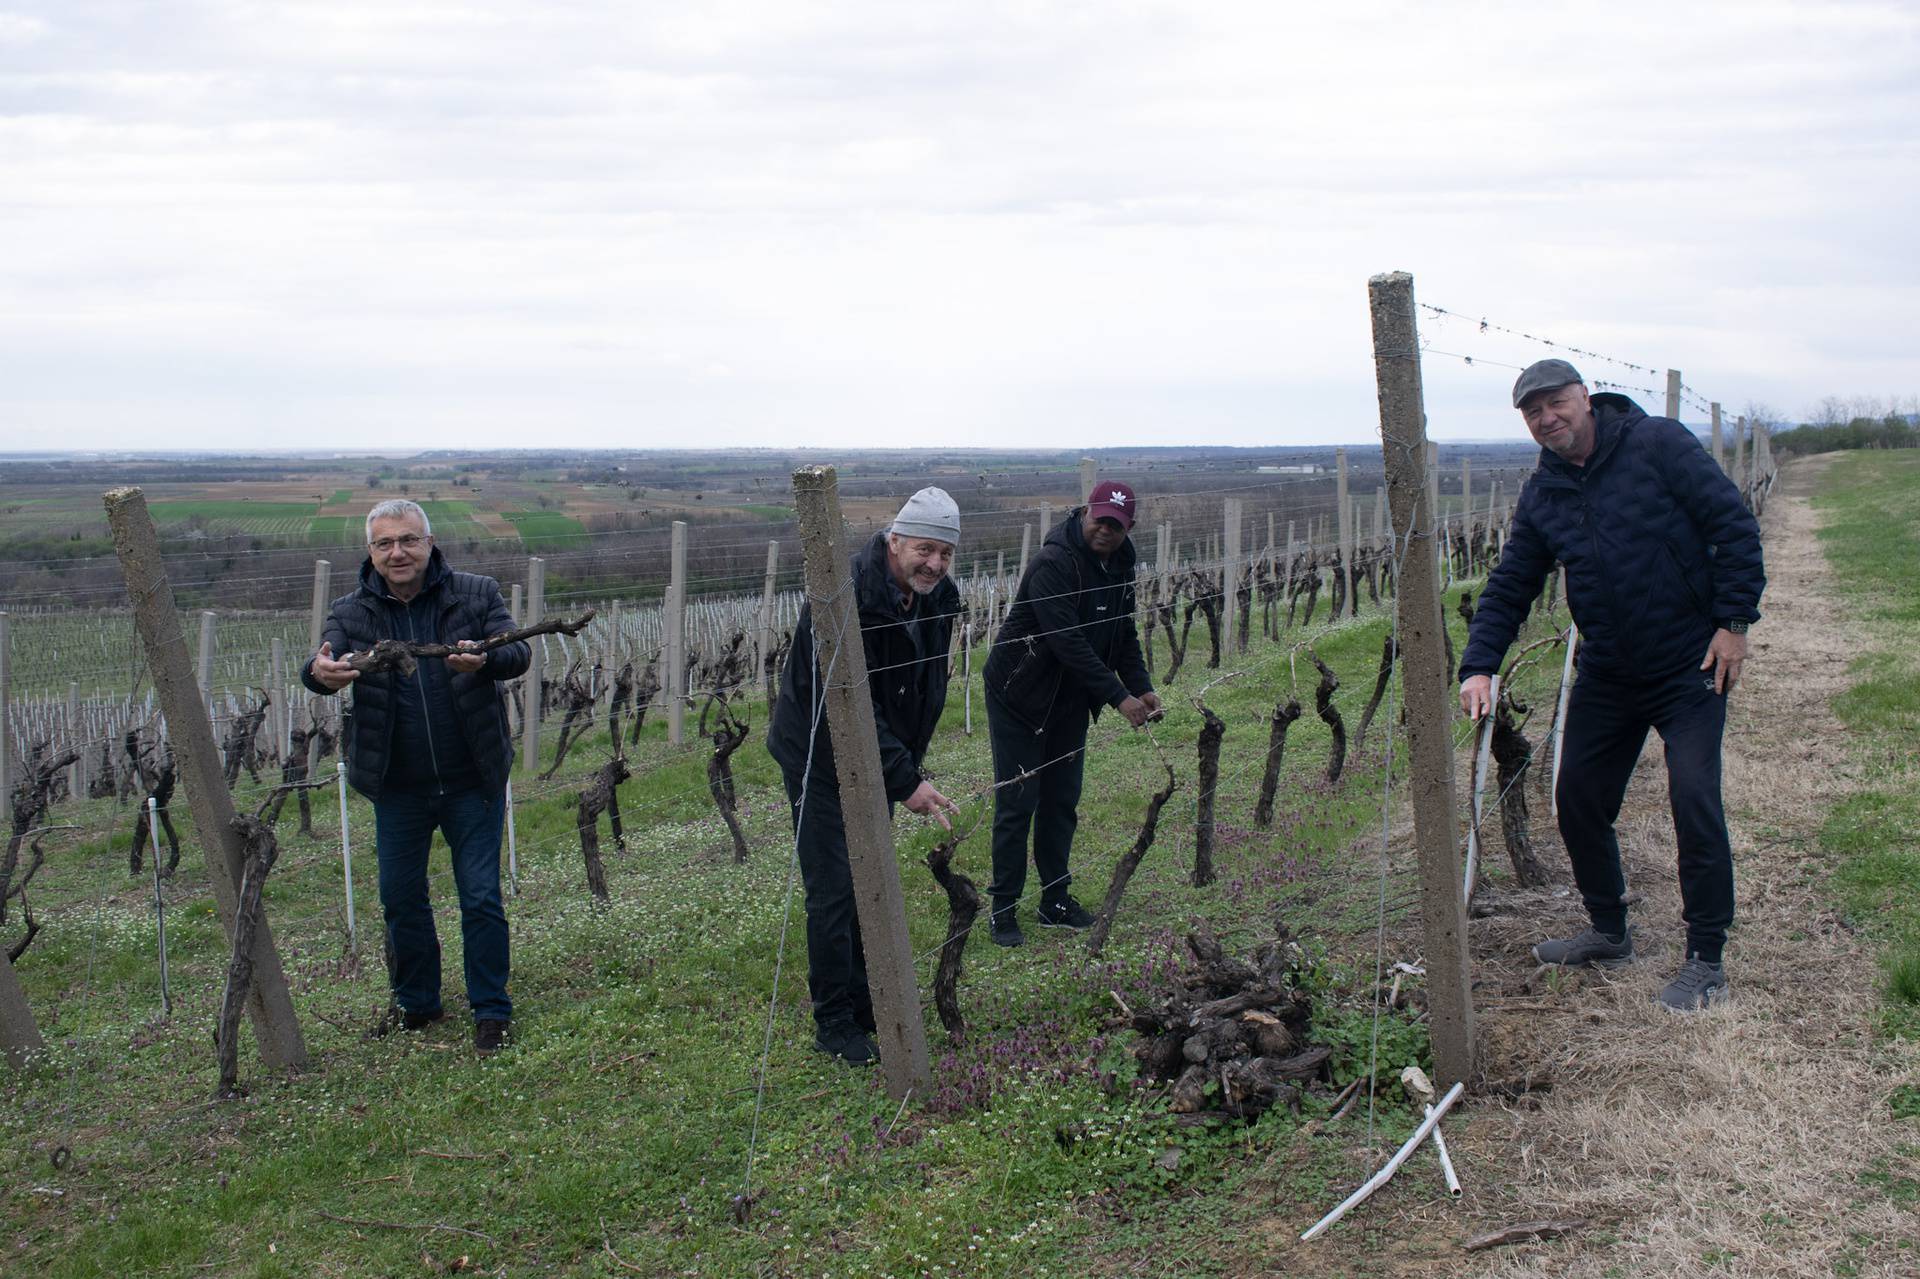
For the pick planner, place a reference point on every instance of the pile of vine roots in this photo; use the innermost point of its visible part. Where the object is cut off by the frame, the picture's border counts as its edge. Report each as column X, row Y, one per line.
column 1231, row 1039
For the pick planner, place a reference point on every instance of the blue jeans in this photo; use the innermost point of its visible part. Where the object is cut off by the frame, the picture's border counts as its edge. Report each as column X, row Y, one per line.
column 404, row 821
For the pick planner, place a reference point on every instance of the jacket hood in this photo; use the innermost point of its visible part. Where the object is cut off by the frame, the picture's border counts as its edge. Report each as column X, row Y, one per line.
column 1067, row 533
column 375, row 585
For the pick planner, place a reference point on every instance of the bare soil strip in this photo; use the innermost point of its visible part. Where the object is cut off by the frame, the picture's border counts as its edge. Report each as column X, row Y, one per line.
column 1750, row 1140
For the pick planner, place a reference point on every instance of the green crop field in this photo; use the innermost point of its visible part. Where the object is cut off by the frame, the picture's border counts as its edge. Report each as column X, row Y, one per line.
column 271, row 518
column 548, row 530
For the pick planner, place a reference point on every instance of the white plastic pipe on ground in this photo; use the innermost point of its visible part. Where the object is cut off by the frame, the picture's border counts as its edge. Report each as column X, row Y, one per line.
column 1385, row 1175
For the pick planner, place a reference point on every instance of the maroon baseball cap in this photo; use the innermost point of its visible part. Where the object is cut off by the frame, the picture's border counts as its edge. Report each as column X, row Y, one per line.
column 1112, row 500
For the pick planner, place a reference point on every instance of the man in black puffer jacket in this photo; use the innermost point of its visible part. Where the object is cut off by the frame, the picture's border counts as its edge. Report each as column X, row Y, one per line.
column 431, row 750
column 1664, row 576
column 1068, row 648
column 907, row 607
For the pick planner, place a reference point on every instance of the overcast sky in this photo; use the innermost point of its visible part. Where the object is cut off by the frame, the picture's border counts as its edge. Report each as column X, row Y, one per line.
column 375, row 223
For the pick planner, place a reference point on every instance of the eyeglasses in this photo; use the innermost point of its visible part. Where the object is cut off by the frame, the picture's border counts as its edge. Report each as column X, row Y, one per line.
column 406, row 542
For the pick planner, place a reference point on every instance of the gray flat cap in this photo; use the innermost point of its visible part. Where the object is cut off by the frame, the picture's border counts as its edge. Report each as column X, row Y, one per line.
column 1544, row 375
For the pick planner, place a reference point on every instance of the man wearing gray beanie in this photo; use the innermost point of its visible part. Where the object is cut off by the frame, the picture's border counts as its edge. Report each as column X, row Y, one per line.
column 907, row 610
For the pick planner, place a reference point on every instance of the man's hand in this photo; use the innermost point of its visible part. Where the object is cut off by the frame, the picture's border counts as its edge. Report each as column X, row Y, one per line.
column 1134, row 710
column 1725, row 656
column 1476, row 696
column 1152, row 703
column 336, row 675
column 466, row 663
column 929, row 802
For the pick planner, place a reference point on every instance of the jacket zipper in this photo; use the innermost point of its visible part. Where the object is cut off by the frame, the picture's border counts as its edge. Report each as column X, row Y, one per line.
column 426, row 715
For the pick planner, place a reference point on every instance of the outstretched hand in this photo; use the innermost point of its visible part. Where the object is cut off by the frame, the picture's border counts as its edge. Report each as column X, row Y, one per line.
column 333, row 672
column 929, row 802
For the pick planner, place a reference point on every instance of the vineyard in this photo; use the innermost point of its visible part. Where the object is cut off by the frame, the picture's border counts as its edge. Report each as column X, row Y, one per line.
column 661, row 1111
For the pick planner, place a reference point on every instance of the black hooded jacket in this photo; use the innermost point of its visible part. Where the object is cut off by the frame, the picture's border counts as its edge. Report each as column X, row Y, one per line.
column 439, row 729
column 1660, row 551
column 1071, row 631
column 906, row 673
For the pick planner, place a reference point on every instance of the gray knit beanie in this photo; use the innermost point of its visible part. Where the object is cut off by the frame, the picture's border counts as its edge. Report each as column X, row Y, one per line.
column 929, row 513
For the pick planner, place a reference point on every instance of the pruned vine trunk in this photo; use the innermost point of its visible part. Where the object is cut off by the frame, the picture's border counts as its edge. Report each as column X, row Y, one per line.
column 1380, row 682
column 261, row 851
column 31, row 798
column 1211, row 732
column 727, row 736
column 600, row 796
column 1513, row 756
column 1129, row 863
column 1284, row 714
column 1330, row 714
column 963, row 908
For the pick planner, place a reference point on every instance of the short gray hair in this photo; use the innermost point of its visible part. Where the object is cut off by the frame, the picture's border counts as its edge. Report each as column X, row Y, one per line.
column 399, row 508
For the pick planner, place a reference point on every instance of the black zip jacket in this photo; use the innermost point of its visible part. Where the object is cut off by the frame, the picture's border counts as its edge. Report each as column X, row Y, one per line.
column 1071, row 631
column 441, row 729
column 1659, row 548
column 906, row 673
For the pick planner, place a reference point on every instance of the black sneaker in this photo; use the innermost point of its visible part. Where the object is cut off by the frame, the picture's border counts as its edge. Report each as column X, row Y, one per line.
column 397, row 1018
column 1590, row 948
column 1698, row 985
column 1005, row 928
column 489, row 1036
column 1065, row 913
column 846, row 1041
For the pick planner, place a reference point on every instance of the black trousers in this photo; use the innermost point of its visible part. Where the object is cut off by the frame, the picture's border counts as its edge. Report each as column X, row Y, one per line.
column 1045, row 804
column 1607, row 724
column 836, row 961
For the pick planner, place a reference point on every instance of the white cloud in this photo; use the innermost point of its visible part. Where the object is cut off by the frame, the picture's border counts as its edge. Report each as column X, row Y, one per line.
column 764, row 222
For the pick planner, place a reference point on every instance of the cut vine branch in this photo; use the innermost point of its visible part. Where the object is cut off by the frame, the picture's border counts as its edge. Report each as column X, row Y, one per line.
column 963, row 908
column 403, row 655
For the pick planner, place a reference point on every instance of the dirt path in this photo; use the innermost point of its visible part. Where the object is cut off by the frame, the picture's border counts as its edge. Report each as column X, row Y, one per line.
column 1734, row 1142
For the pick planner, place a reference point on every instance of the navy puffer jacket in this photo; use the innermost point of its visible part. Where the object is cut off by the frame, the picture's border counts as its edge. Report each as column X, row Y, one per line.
column 458, row 606
column 1659, row 549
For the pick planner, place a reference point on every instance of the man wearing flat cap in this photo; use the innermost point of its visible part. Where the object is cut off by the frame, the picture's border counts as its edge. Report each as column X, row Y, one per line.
column 1068, row 648
column 907, row 608
column 1664, row 576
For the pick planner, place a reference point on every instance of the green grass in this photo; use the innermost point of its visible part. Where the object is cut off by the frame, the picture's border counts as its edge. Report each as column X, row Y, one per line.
column 548, row 530
column 622, row 1117
column 1870, row 508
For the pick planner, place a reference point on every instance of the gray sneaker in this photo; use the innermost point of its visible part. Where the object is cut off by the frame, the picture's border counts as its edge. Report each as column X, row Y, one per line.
column 1699, row 985
column 1591, row 947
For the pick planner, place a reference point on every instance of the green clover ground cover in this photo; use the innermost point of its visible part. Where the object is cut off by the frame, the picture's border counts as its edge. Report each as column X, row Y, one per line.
column 621, row 1119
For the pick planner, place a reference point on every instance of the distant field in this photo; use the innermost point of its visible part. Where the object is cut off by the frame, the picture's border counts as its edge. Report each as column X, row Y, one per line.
column 269, row 518
column 548, row 530
column 769, row 512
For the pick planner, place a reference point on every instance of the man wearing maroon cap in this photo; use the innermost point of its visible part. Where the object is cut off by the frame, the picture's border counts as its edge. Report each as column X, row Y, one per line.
column 1068, row 648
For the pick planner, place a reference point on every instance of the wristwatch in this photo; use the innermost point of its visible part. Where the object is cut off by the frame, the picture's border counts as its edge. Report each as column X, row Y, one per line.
column 1737, row 627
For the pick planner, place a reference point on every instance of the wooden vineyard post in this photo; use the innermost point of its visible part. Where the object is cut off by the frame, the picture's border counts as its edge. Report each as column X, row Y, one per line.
column 1673, row 394
column 1089, row 476
column 674, row 678
column 77, row 737
column 1230, row 571
column 536, row 667
column 1346, row 531
column 322, row 575
column 206, row 659
column 1719, row 447
column 1026, row 544
column 6, row 718
column 878, row 901
column 767, row 641
column 1426, row 683
column 269, row 1004
column 277, row 695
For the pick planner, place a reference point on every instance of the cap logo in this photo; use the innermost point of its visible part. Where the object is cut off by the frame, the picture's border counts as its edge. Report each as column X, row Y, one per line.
column 1117, row 497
